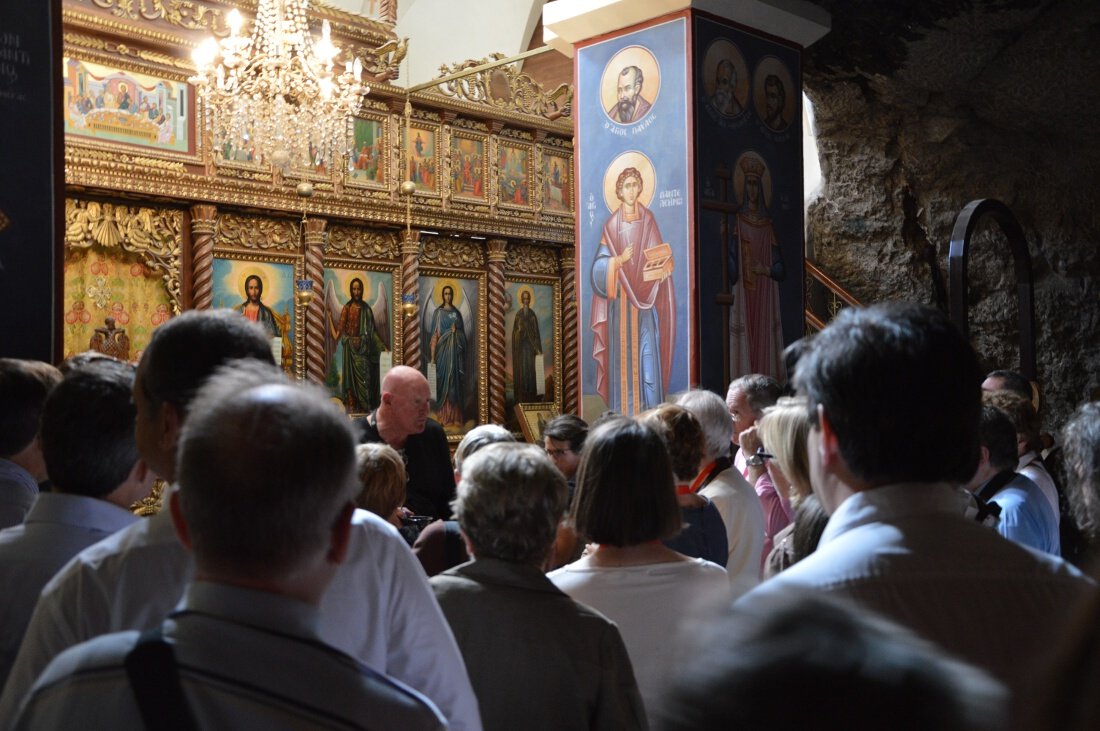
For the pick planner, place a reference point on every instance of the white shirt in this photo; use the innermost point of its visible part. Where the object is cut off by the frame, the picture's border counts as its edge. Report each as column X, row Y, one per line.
column 58, row 527
column 743, row 516
column 1033, row 469
column 651, row 604
column 908, row 552
column 379, row 609
column 246, row 659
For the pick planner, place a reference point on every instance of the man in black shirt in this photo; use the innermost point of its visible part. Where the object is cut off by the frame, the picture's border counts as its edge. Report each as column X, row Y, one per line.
column 402, row 422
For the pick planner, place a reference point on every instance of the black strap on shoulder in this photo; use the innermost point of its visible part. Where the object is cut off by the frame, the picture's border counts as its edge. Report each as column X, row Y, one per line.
column 155, row 680
column 995, row 483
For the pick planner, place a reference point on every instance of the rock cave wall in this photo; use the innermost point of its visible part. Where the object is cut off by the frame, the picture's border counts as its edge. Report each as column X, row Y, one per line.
column 922, row 107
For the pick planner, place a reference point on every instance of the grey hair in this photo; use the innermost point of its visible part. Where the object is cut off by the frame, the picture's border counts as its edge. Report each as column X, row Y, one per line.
column 478, row 437
column 265, row 467
column 712, row 413
column 1081, row 444
column 509, row 503
column 760, row 390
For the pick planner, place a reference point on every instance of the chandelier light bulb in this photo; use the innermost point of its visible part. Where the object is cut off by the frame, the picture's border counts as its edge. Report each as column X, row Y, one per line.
column 234, row 21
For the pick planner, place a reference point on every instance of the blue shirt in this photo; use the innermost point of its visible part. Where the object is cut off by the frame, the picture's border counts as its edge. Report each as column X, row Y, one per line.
column 1026, row 517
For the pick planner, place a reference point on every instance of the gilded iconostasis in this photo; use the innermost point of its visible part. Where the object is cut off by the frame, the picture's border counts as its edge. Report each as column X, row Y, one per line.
column 469, row 276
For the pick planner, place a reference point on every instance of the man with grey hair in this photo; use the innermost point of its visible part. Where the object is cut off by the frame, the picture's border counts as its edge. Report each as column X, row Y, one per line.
column 574, row 671
column 133, row 579
column 1081, row 437
column 728, row 490
column 747, row 398
column 283, row 456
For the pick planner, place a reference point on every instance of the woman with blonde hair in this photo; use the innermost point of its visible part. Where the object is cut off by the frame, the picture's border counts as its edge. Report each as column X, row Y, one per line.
column 783, row 430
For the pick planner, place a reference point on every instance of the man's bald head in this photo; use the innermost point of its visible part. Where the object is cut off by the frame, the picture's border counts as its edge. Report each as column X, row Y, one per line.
column 406, row 400
column 401, row 378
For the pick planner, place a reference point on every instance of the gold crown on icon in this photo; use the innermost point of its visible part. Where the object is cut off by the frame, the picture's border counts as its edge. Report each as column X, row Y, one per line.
column 751, row 166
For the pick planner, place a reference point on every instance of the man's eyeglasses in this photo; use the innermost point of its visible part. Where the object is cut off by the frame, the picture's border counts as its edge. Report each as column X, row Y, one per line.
column 557, row 452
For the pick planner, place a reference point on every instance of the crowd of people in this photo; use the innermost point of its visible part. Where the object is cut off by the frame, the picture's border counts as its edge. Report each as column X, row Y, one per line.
column 888, row 541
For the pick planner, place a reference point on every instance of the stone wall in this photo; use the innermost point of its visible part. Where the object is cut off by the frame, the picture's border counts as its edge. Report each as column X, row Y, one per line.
column 922, row 107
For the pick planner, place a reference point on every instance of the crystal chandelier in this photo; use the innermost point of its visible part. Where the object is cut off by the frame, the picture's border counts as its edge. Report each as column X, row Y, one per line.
column 274, row 97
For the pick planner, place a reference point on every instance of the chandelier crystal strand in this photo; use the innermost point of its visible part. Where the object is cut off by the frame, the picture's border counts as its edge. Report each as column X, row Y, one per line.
column 278, row 97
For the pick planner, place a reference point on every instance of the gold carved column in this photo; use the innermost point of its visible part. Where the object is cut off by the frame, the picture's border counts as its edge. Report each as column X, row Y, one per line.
column 410, row 288
column 314, row 234
column 204, row 224
column 497, row 254
column 569, row 334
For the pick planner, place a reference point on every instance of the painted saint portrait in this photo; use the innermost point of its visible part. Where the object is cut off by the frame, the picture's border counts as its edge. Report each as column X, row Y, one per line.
column 630, row 85
column 755, row 270
column 420, row 153
column 725, row 79
column 262, row 292
column 367, row 156
column 124, row 106
column 557, row 187
column 529, row 325
column 634, row 300
column 357, row 332
column 448, row 324
column 513, row 171
column 774, row 95
column 468, row 167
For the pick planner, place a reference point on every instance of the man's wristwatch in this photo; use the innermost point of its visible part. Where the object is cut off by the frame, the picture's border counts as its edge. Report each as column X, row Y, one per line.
column 756, row 460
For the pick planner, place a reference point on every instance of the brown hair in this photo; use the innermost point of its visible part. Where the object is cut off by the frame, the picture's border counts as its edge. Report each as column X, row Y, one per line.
column 625, row 494
column 381, row 474
column 630, row 172
column 683, row 436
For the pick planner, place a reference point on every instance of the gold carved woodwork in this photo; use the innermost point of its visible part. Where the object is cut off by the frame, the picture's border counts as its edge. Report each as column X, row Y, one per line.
column 181, row 13
column 121, row 49
column 360, row 243
column 155, row 235
column 505, row 88
column 452, row 253
column 497, row 255
column 204, row 230
column 531, row 259
column 152, row 503
column 253, row 232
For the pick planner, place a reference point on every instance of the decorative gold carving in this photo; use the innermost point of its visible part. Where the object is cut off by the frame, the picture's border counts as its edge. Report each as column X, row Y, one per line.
column 182, row 13
column 470, row 124
column 153, row 234
column 361, row 243
column 531, row 259
column 77, row 39
column 77, row 154
column 384, row 62
column 4, row 221
column 253, row 232
column 505, row 88
column 452, row 252
column 150, row 504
